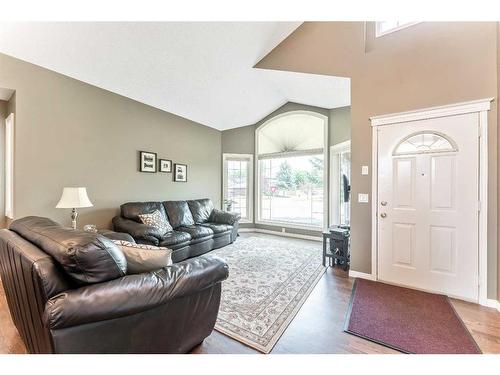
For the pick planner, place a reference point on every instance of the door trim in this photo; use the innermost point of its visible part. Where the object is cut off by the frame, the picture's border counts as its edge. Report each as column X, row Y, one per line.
column 334, row 188
column 481, row 107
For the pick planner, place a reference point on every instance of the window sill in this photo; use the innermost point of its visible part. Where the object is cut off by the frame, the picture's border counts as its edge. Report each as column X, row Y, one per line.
column 281, row 224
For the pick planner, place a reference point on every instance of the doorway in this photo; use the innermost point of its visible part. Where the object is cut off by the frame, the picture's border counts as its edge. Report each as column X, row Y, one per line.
column 430, row 199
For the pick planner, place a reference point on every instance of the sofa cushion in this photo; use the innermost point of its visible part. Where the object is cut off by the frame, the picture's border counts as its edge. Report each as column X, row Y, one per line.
column 178, row 213
column 158, row 220
column 86, row 257
column 174, row 239
column 144, row 258
column 197, row 231
column 218, row 228
column 201, row 209
column 132, row 210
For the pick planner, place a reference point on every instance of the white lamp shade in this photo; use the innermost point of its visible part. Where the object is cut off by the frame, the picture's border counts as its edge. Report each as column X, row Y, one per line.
column 74, row 197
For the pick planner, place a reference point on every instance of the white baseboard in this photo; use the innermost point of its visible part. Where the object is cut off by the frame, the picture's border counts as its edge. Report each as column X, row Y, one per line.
column 282, row 234
column 246, row 230
column 362, row 275
column 493, row 303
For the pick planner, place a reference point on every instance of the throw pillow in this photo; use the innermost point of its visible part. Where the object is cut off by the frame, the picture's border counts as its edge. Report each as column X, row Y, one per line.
column 158, row 220
column 144, row 258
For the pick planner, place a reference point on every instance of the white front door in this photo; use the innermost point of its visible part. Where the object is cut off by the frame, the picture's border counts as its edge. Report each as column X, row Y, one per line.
column 428, row 201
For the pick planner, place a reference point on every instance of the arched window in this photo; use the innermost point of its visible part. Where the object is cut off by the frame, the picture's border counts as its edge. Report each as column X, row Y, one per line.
column 290, row 153
column 425, row 142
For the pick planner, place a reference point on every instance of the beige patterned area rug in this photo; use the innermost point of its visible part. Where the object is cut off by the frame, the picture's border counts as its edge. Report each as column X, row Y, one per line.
column 269, row 280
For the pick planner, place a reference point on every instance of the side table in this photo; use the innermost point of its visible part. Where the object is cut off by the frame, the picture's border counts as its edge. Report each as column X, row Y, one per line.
column 336, row 247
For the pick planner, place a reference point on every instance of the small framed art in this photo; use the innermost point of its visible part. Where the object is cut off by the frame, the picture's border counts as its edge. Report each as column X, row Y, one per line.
column 180, row 172
column 165, row 165
column 147, row 161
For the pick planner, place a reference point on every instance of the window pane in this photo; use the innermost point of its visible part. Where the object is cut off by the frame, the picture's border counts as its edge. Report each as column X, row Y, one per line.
column 384, row 27
column 423, row 143
column 237, row 186
column 291, row 190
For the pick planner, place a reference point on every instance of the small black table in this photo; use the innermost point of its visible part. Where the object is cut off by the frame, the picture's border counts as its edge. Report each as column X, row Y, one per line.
column 336, row 247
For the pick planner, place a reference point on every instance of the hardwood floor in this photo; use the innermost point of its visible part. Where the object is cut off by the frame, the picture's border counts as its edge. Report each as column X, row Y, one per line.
column 317, row 328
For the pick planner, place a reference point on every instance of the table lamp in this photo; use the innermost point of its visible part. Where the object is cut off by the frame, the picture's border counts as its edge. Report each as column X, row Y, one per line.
column 74, row 197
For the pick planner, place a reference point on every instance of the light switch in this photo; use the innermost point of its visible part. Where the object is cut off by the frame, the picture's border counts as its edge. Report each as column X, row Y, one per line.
column 364, row 170
column 362, row 198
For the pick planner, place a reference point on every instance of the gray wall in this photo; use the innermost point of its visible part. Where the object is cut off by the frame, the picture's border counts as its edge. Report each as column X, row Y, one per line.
column 242, row 141
column 340, row 125
column 239, row 140
column 69, row 133
column 3, row 109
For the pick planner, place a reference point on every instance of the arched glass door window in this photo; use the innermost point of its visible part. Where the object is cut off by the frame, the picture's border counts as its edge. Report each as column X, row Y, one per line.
column 425, row 142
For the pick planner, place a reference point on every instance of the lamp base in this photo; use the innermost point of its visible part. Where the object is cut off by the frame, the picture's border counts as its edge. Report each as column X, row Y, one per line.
column 74, row 215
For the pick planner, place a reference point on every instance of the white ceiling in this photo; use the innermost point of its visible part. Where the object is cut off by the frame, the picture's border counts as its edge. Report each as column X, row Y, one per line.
column 202, row 71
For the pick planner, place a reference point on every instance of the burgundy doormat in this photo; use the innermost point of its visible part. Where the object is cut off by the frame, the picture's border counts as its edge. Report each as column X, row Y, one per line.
column 407, row 320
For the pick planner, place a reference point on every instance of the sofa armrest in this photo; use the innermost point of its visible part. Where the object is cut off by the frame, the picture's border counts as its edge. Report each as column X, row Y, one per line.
column 223, row 217
column 133, row 294
column 140, row 232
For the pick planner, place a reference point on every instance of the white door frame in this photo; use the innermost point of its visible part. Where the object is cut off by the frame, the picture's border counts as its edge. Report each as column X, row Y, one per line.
column 334, row 189
column 481, row 107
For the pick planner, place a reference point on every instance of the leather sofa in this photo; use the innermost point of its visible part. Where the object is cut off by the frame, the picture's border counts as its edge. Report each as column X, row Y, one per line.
column 68, row 292
column 198, row 226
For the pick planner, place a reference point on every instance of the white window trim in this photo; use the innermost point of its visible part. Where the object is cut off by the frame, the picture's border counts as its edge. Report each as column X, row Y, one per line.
column 9, row 166
column 335, row 152
column 225, row 158
column 326, row 184
column 379, row 33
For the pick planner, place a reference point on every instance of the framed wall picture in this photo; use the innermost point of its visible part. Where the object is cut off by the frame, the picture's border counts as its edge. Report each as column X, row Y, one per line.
column 180, row 173
column 165, row 165
column 147, row 161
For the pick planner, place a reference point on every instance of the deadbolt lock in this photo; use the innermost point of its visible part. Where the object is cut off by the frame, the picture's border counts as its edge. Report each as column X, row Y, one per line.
column 383, row 203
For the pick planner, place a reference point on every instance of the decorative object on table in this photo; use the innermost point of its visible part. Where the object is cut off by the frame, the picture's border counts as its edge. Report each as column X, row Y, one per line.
column 407, row 320
column 147, row 162
column 165, row 165
column 180, row 172
column 91, row 228
column 336, row 246
column 228, row 204
column 74, row 197
column 269, row 281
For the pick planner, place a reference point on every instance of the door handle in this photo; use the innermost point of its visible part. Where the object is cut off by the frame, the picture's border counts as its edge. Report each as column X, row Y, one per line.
column 383, row 215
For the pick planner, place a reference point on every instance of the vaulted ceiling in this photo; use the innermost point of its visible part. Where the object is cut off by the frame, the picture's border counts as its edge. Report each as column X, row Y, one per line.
column 203, row 71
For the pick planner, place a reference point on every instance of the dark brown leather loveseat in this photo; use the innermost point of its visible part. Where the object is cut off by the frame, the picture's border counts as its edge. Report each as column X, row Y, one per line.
column 68, row 292
column 198, row 226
